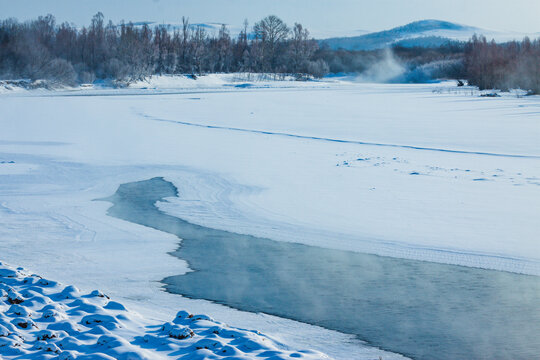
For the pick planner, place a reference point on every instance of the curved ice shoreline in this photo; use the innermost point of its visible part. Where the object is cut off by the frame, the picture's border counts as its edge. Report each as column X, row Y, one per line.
column 41, row 318
column 216, row 202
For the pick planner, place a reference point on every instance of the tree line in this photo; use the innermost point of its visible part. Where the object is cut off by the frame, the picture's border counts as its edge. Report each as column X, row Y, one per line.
column 41, row 49
column 512, row 65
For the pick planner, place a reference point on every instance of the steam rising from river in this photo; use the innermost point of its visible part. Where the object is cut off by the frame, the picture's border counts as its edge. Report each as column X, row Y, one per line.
column 387, row 69
column 426, row 310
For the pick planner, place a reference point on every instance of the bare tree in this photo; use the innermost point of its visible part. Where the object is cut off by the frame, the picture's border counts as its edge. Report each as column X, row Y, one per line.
column 96, row 41
column 185, row 62
column 199, row 41
column 272, row 32
column 223, row 61
column 301, row 49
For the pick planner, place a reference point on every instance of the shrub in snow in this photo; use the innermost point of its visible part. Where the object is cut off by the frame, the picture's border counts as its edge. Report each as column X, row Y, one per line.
column 106, row 321
column 69, row 292
column 52, row 315
column 86, row 77
column 24, row 323
column 46, row 346
column 98, row 293
column 19, row 311
column 67, row 355
column 185, row 317
column 208, row 344
column 14, row 297
column 180, row 332
column 57, row 70
column 181, row 316
column 48, row 334
column 45, row 282
column 111, row 341
column 4, row 331
column 8, row 273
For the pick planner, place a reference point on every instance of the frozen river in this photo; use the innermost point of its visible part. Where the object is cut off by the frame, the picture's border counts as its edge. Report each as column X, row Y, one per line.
column 430, row 174
column 421, row 309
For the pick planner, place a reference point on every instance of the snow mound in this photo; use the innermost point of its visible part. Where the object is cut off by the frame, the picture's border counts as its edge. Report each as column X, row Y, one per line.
column 42, row 319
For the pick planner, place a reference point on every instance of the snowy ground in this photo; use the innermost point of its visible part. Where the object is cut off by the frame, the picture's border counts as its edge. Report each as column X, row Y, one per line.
column 42, row 319
column 416, row 171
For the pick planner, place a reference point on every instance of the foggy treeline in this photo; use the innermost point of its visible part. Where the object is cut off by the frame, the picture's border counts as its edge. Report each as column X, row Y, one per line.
column 41, row 49
column 506, row 66
column 419, row 64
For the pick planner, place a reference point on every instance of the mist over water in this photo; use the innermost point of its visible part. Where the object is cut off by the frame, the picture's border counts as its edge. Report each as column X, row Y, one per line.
column 420, row 309
column 388, row 69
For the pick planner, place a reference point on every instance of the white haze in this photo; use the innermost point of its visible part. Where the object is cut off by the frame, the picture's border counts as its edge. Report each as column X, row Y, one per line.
column 383, row 71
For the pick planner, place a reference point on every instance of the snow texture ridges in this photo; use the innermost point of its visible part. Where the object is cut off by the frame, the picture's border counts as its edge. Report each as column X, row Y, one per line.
column 42, row 319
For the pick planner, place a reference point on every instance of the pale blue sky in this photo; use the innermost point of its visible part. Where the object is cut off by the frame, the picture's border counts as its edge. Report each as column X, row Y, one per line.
column 321, row 17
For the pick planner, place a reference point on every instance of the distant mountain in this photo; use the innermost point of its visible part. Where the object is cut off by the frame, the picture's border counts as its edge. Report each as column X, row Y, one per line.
column 424, row 33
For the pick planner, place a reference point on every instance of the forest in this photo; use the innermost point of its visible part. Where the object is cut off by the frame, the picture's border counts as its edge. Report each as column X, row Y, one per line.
column 40, row 49
column 506, row 66
column 125, row 52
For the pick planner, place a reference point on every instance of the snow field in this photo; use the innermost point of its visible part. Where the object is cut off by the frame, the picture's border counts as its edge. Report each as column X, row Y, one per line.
column 416, row 171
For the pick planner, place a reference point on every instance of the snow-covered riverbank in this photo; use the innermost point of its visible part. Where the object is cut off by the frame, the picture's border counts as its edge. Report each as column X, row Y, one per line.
column 42, row 319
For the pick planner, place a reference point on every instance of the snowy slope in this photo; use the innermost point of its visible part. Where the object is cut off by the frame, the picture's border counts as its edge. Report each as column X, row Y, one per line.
column 425, row 33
